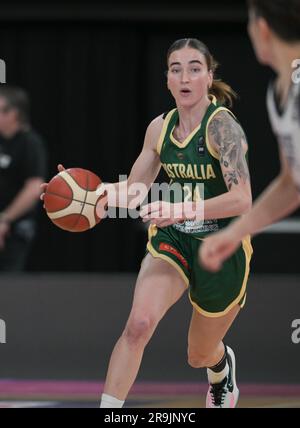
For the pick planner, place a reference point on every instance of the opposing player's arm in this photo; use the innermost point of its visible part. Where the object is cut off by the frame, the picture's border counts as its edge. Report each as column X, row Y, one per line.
column 289, row 199
column 278, row 200
column 228, row 140
column 132, row 192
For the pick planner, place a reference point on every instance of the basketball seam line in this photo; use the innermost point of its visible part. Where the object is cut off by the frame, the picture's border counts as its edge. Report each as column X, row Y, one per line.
column 69, row 199
column 76, row 181
column 80, row 214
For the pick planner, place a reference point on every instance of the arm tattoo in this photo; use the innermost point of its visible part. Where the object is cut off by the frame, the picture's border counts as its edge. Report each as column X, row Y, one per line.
column 229, row 137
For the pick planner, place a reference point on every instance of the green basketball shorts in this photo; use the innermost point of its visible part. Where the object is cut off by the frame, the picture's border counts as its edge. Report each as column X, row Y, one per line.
column 211, row 294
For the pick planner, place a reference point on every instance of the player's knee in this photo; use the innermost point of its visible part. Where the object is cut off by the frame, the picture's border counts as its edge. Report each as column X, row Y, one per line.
column 196, row 359
column 139, row 330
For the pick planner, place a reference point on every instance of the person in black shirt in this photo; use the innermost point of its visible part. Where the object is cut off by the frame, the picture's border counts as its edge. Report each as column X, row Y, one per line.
column 22, row 170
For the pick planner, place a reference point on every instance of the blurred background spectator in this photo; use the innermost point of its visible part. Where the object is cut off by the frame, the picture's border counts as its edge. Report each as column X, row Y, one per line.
column 22, row 170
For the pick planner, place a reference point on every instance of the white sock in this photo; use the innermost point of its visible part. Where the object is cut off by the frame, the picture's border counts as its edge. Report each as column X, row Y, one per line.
column 107, row 401
column 214, row 377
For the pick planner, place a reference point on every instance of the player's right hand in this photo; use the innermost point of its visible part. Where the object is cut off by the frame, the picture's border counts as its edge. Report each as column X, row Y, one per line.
column 43, row 186
column 217, row 248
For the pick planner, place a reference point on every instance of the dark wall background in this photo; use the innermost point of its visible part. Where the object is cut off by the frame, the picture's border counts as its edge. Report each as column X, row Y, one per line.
column 95, row 73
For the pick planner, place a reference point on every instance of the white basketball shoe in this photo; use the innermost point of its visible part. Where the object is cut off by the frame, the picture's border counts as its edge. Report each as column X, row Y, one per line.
column 224, row 394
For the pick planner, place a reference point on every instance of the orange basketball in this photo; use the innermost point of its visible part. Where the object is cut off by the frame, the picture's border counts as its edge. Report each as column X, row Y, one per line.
column 70, row 200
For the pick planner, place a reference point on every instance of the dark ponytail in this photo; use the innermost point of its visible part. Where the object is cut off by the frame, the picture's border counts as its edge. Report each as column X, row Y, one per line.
column 223, row 92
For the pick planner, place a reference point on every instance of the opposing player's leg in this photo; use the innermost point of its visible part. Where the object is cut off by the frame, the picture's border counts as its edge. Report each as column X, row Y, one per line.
column 158, row 287
column 206, row 349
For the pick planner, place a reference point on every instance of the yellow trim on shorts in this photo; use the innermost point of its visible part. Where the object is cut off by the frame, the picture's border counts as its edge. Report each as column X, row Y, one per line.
column 164, row 130
column 244, row 301
column 210, row 148
column 152, row 231
column 248, row 250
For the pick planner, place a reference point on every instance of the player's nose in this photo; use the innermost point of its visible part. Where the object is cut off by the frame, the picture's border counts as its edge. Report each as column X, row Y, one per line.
column 185, row 77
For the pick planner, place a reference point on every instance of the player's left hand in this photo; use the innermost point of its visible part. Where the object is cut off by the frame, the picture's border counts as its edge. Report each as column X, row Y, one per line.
column 162, row 214
column 43, row 186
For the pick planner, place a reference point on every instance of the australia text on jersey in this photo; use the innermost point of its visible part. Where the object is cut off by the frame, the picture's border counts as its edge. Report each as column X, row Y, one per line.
column 194, row 172
column 2, row 71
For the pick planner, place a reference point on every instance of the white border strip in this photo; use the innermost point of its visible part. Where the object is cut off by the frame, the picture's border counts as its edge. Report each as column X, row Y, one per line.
column 285, row 226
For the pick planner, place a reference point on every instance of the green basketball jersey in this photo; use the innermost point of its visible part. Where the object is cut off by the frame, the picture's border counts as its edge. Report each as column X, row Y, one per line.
column 195, row 165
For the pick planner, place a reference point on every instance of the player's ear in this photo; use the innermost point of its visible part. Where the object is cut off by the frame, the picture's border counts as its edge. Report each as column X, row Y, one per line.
column 210, row 79
column 264, row 29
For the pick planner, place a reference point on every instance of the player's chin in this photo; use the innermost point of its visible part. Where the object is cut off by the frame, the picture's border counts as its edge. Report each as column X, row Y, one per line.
column 185, row 102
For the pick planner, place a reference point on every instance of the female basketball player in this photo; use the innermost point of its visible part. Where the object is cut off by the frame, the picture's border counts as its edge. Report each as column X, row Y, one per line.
column 274, row 28
column 198, row 143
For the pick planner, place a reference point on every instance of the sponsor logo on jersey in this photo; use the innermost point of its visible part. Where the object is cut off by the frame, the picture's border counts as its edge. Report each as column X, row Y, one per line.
column 180, row 155
column 169, row 249
column 201, row 147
